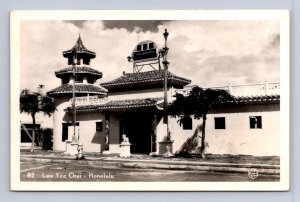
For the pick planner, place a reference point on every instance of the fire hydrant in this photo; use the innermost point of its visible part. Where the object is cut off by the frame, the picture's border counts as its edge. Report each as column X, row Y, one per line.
column 80, row 151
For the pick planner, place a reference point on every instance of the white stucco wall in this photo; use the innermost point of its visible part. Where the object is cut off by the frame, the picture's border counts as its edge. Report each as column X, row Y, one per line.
column 92, row 140
column 178, row 135
column 237, row 138
column 58, row 117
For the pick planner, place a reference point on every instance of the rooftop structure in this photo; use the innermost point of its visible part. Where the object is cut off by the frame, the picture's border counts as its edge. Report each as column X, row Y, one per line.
column 80, row 89
column 79, row 70
column 84, row 70
column 82, row 53
column 145, row 80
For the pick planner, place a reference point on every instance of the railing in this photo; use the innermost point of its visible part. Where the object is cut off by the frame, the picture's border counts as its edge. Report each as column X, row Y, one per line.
column 89, row 100
column 267, row 88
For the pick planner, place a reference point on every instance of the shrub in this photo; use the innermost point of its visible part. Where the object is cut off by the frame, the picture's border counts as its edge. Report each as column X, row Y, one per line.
column 45, row 138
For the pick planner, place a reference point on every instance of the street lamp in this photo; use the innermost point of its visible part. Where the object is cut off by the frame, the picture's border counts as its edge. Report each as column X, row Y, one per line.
column 130, row 59
column 166, row 49
column 74, row 139
column 166, row 64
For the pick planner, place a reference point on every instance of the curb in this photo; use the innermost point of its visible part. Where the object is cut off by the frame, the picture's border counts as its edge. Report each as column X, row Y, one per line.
column 153, row 161
column 190, row 166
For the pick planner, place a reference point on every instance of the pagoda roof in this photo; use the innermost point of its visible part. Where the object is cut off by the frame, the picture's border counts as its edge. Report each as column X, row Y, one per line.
column 80, row 88
column 119, row 104
column 79, row 70
column 144, row 80
column 79, row 48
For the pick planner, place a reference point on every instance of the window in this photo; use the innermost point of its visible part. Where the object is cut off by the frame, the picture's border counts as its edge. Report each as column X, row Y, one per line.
column 219, row 122
column 151, row 45
column 79, row 78
column 86, row 61
column 70, row 61
column 145, row 46
column 65, row 130
column 99, row 126
column 28, row 128
column 65, row 80
column 90, row 80
column 255, row 122
column 78, row 61
column 187, row 123
column 139, row 48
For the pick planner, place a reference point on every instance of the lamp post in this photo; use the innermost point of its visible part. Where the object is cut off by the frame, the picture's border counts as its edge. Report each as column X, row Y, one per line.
column 166, row 64
column 74, row 139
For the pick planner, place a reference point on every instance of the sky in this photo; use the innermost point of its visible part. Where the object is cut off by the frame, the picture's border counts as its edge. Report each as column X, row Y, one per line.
column 210, row 53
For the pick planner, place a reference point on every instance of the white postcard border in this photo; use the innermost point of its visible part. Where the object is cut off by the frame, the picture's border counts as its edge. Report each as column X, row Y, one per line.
column 282, row 15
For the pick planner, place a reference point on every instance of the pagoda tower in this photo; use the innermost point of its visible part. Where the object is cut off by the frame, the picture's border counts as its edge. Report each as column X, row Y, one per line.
column 78, row 79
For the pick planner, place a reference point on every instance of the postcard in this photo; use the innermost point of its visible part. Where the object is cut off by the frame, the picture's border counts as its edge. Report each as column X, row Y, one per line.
column 150, row 100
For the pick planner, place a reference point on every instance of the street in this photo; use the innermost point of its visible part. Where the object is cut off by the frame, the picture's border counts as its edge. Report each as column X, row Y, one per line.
column 33, row 171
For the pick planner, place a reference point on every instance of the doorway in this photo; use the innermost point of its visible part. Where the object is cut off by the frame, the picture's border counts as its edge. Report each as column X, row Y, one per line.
column 137, row 128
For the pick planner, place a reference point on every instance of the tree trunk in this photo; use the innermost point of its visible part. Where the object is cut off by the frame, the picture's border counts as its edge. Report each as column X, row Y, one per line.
column 33, row 132
column 203, row 138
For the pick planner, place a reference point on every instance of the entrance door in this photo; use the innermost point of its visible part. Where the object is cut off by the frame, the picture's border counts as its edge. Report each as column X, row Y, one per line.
column 138, row 130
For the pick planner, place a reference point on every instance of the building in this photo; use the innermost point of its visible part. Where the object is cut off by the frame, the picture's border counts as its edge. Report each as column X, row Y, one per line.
column 131, row 104
column 84, row 80
column 250, row 127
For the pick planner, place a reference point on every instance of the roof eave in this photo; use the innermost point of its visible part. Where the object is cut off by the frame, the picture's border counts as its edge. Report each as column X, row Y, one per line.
column 68, row 73
column 174, row 81
column 69, row 53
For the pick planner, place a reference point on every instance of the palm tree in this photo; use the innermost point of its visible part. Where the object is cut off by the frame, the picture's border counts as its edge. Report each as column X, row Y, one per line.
column 197, row 104
column 33, row 103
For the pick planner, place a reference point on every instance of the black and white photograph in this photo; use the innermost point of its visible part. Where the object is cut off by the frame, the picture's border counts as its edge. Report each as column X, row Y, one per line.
column 149, row 100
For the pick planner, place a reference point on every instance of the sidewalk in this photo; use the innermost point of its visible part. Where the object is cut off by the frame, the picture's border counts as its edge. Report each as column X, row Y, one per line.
column 213, row 163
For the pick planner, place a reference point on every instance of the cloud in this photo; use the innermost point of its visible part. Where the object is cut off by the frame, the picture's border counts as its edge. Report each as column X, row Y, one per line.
column 134, row 25
column 275, row 42
column 244, row 69
column 208, row 52
column 77, row 23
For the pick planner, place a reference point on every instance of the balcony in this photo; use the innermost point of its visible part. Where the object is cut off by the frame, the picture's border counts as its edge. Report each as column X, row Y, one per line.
column 89, row 100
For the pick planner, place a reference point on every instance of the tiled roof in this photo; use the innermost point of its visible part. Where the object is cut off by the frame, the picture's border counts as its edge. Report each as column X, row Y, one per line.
column 79, row 70
column 258, row 99
column 79, row 48
column 120, row 104
column 143, row 79
column 150, row 102
column 80, row 88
